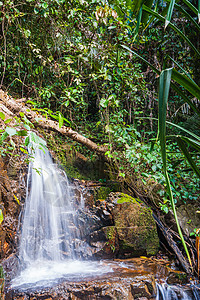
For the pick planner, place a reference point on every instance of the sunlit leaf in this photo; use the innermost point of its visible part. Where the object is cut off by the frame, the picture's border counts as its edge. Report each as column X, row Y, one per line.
column 11, row 131
column 2, row 116
column 16, row 199
column 7, row 121
column 1, row 216
column 60, row 120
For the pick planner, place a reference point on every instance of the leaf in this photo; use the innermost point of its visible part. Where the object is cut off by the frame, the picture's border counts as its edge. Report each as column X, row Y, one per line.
column 66, row 103
column 36, row 139
column 187, row 15
column 60, row 120
column 1, row 216
column 11, row 131
column 191, row 6
column 169, row 13
column 16, row 199
column 164, row 85
column 174, row 75
column 22, row 133
column 2, row 116
column 187, row 83
column 139, row 17
column 104, row 102
column 27, row 141
column 23, row 150
column 3, row 137
column 158, row 16
column 7, row 121
column 199, row 11
column 187, row 155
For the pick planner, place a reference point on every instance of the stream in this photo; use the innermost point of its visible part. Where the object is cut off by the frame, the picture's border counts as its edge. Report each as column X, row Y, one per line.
column 51, row 259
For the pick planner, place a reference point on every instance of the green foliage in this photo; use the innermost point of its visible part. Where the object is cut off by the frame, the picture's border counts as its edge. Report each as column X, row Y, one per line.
column 1, row 216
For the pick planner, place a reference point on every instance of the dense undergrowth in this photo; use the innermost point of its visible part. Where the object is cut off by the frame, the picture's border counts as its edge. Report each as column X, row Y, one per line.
column 66, row 58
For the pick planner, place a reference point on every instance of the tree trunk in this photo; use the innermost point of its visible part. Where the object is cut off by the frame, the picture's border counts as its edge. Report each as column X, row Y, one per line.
column 17, row 106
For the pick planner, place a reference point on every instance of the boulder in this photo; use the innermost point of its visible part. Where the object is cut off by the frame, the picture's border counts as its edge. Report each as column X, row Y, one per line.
column 135, row 226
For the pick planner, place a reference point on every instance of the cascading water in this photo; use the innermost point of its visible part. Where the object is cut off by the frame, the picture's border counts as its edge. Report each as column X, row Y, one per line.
column 167, row 292
column 49, row 232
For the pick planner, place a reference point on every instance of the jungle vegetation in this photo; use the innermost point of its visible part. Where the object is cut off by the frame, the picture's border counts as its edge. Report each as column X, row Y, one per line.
column 124, row 74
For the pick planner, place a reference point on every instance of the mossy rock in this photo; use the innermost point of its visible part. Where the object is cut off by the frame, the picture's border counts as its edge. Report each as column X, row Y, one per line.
column 135, row 226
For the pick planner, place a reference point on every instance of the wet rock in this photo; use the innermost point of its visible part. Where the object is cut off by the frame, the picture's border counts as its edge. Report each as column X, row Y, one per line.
column 189, row 216
column 105, row 241
column 135, row 226
column 177, row 278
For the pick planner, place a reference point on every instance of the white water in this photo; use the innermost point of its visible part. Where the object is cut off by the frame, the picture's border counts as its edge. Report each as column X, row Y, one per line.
column 47, row 249
column 167, row 292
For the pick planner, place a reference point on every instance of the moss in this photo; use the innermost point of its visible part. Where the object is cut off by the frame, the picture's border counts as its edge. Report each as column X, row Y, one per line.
column 111, row 232
column 123, row 198
column 103, row 192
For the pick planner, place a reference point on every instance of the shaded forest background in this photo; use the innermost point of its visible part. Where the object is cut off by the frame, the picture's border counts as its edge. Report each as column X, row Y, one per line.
column 67, row 60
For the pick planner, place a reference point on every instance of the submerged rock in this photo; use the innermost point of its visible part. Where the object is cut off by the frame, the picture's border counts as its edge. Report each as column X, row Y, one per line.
column 130, row 280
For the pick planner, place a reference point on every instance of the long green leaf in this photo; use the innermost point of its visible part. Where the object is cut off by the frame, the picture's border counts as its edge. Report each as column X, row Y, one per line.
column 194, row 143
column 164, row 86
column 186, row 99
column 143, row 59
column 139, row 17
column 187, row 15
column 187, row 155
column 169, row 13
column 178, row 65
column 191, row 6
column 1, row 216
column 199, row 11
column 158, row 16
column 185, row 130
column 187, row 83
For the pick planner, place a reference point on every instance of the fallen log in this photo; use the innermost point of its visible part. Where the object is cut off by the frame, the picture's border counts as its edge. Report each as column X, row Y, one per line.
column 17, row 106
column 173, row 245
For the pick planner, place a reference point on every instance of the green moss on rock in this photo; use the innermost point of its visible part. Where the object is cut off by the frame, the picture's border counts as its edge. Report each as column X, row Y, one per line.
column 135, row 226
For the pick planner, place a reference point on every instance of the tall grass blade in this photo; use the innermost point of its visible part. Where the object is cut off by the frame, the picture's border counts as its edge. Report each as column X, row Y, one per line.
column 169, row 13
column 186, row 14
column 139, row 17
column 158, row 16
column 191, row 6
column 178, row 65
column 178, row 90
column 194, row 143
column 185, row 98
column 183, row 129
column 164, row 86
column 187, row 83
column 187, row 155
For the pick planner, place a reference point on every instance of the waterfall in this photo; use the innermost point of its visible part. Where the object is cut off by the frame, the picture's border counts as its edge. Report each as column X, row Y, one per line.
column 49, row 235
column 172, row 292
column 49, row 217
